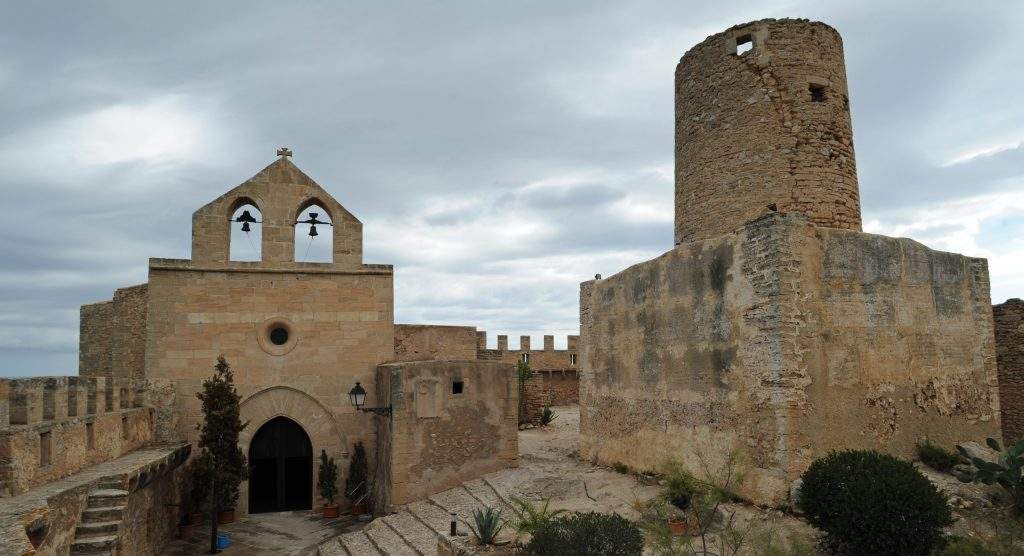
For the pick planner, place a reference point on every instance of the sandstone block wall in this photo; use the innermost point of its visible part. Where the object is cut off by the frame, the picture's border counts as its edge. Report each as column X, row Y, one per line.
column 280, row 192
column 549, row 389
column 783, row 341
column 442, row 436
column 418, row 342
column 1009, row 338
column 546, row 358
column 86, row 422
column 750, row 132
column 112, row 335
column 340, row 328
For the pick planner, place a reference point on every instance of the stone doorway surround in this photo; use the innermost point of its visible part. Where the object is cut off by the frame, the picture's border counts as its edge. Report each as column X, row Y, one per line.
column 308, row 412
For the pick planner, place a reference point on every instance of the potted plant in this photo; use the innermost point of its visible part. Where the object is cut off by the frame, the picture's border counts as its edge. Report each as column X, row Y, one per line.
column 356, row 484
column 198, row 490
column 328, row 484
column 218, row 440
column 679, row 489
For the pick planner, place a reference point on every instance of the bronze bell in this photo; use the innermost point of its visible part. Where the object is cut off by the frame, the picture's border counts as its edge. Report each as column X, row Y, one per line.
column 245, row 227
column 312, row 231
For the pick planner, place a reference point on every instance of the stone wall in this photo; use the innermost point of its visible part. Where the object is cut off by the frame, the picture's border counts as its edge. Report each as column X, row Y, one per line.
column 549, row 389
column 452, row 421
column 750, row 132
column 112, row 335
column 420, row 342
column 1009, row 337
column 546, row 358
column 784, row 341
column 78, row 422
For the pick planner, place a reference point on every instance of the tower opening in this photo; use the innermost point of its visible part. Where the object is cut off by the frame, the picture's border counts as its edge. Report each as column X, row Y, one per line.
column 744, row 44
column 246, row 233
column 817, row 92
column 314, row 235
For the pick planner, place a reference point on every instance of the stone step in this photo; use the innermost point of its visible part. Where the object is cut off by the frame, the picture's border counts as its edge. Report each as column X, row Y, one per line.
column 457, row 500
column 436, row 518
column 94, row 545
column 483, row 492
column 331, row 548
column 358, row 544
column 96, row 528
column 105, row 498
column 106, row 513
column 413, row 532
column 387, row 541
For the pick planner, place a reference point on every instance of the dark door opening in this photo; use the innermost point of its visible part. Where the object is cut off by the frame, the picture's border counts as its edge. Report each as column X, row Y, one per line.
column 281, row 472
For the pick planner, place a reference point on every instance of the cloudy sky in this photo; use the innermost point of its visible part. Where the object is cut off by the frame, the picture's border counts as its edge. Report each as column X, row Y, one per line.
column 498, row 153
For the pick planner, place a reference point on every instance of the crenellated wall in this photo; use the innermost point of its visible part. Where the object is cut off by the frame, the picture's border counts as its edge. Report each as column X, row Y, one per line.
column 112, row 335
column 51, row 427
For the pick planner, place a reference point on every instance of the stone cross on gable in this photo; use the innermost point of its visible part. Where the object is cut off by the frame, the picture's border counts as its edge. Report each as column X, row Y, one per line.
column 284, row 151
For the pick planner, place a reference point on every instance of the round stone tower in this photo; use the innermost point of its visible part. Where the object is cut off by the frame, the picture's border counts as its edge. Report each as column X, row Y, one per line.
column 763, row 124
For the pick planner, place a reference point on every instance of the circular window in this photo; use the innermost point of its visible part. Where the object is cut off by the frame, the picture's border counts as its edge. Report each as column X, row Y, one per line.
column 279, row 336
column 276, row 336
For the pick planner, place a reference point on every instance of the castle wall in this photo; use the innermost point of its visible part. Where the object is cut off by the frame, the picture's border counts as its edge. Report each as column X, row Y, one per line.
column 749, row 131
column 112, row 335
column 783, row 341
column 440, row 438
column 339, row 324
column 1009, row 337
column 66, row 409
column 418, row 342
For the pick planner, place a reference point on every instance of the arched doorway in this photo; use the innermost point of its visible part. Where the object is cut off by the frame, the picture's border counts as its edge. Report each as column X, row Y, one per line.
column 281, row 472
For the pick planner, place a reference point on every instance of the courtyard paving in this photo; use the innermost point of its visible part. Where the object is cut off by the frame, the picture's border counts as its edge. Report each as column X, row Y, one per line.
column 281, row 533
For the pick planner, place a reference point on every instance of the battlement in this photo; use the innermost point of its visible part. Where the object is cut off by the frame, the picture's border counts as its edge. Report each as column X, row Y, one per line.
column 525, row 343
column 545, row 359
column 51, row 427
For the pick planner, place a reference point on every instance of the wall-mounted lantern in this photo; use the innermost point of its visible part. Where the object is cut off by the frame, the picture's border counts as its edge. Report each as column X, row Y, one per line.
column 357, row 397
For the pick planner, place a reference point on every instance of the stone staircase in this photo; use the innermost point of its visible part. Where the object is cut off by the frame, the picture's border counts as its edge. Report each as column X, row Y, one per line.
column 100, row 523
column 415, row 528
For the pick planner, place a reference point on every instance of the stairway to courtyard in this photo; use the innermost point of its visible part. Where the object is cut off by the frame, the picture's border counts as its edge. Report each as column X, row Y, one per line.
column 548, row 469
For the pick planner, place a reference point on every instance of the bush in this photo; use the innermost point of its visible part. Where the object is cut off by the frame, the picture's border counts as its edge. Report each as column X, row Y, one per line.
column 964, row 546
column 328, row 478
column 936, row 457
column 531, row 517
column 1008, row 471
column 587, row 534
column 680, row 485
column 872, row 503
column 547, row 416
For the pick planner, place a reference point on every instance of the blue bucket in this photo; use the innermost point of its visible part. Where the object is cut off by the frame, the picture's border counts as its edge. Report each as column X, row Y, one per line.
column 223, row 541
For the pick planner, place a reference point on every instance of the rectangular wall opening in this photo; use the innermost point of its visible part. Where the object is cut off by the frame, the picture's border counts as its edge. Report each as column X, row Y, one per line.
column 817, row 92
column 456, row 387
column 45, row 448
column 90, row 436
column 744, row 44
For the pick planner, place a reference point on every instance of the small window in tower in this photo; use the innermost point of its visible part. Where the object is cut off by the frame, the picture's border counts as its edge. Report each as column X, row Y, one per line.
column 526, row 358
column 572, row 359
column 456, row 387
column 744, row 44
column 45, row 448
column 817, row 92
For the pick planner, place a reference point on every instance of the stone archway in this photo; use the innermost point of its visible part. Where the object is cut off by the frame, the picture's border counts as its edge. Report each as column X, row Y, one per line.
column 307, row 412
column 280, row 468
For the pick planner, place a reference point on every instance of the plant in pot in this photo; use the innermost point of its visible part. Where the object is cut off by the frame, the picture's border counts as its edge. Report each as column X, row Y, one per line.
column 357, row 484
column 198, row 484
column 679, row 489
column 328, row 484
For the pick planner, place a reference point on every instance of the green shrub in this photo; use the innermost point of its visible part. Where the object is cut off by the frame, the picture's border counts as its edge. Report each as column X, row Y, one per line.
column 1008, row 471
column 964, row 546
column 487, row 524
column 620, row 467
column 936, row 457
column 547, row 416
column 587, row 534
column 680, row 485
column 531, row 517
column 872, row 503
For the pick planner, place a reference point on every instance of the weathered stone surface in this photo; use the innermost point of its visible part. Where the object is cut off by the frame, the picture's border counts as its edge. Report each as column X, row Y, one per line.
column 784, row 341
column 440, row 438
column 751, row 133
column 1009, row 337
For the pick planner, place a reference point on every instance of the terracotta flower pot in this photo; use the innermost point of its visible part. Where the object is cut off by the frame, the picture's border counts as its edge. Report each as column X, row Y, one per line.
column 330, row 511
column 186, row 530
column 677, row 527
column 358, row 509
column 226, row 516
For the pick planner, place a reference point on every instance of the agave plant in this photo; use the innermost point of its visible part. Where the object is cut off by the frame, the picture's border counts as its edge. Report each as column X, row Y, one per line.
column 1006, row 471
column 547, row 416
column 487, row 524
